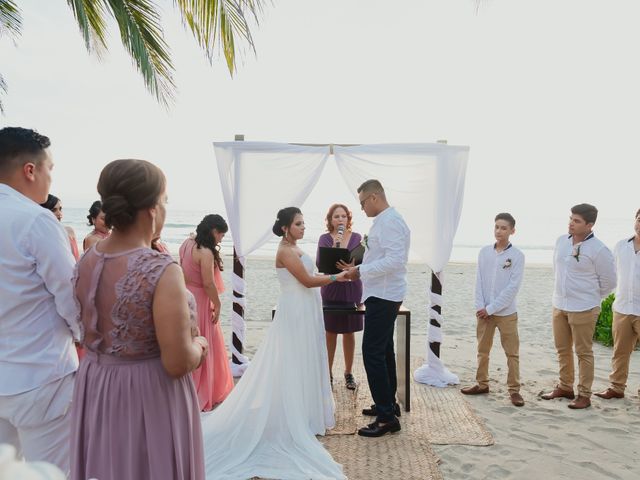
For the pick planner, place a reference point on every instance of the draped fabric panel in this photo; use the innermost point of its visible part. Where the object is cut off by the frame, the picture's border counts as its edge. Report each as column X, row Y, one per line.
column 424, row 182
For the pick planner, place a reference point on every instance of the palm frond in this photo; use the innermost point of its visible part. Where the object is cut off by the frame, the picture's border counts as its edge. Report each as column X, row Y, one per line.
column 3, row 89
column 217, row 23
column 90, row 15
column 10, row 19
column 142, row 36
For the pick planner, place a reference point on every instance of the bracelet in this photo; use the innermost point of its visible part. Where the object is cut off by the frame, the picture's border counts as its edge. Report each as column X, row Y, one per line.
column 332, row 278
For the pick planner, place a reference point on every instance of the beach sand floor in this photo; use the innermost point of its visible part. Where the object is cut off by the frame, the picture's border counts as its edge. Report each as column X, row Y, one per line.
column 543, row 439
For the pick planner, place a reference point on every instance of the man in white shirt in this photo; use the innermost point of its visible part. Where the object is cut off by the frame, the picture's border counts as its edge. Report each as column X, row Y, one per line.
column 584, row 274
column 38, row 315
column 498, row 280
column 384, row 278
column 626, row 312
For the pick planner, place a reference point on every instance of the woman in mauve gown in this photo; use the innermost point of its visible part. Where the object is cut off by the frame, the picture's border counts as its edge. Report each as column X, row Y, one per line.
column 100, row 230
column 135, row 413
column 201, row 264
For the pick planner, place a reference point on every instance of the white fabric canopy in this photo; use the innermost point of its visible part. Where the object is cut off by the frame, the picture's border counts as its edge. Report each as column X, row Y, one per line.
column 424, row 181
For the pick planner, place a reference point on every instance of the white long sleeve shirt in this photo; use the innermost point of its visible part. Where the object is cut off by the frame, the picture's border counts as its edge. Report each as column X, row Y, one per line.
column 384, row 267
column 498, row 279
column 581, row 283
column 38, row 314
column 627, row 299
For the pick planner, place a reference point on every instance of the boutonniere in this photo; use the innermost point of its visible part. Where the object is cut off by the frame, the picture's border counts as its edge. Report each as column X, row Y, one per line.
column 575, row 253
column 507, row 263
column 365, row 241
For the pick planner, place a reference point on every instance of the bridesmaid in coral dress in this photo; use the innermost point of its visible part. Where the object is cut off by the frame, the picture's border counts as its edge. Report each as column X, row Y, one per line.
column 201, row 263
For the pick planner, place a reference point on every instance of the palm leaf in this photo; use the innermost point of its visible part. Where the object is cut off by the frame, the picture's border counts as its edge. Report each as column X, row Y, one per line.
column 142, row 36
column 10, row 19
column 217, row 23
column 90, row 16
column 3, row 89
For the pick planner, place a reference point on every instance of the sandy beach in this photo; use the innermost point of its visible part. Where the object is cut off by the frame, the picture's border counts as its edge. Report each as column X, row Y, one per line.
column 543, row 439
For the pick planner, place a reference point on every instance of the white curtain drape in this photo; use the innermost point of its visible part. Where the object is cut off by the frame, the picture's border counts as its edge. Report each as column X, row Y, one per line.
column 425, row 182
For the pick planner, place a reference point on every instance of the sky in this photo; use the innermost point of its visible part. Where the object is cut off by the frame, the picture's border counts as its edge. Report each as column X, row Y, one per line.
column 546, row 94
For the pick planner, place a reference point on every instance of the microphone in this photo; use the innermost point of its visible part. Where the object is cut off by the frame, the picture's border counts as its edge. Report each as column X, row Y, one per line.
column 339, row 235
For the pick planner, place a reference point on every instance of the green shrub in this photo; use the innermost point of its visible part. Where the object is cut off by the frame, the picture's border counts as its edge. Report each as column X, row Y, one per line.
column 603, row 333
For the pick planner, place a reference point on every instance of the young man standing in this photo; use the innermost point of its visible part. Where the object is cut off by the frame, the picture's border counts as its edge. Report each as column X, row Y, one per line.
column 38, row 314
column 498, row 279
column 626, row 312
column 584, row 275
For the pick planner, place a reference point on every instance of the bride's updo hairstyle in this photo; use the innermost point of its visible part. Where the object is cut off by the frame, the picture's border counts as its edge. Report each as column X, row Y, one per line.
column 285, row 219
column 126, row 187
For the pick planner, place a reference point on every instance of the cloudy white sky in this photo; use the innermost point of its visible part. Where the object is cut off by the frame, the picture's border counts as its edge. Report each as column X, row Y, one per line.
column 545, row 92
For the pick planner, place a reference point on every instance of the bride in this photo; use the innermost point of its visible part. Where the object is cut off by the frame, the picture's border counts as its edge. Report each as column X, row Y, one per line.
column 267, row 426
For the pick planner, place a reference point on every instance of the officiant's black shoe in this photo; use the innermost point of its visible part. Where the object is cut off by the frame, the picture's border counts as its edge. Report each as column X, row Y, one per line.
column 373, row 411
column 377, row 429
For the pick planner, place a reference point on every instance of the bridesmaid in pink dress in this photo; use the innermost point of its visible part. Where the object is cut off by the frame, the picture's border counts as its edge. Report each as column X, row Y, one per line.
column 201, row 263
column 100, row 229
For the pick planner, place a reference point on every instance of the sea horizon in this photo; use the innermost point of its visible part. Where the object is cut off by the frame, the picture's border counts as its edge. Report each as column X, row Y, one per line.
column 180, row 223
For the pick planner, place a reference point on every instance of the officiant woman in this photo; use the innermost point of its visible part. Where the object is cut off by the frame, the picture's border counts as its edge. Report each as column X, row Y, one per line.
column 341, row 294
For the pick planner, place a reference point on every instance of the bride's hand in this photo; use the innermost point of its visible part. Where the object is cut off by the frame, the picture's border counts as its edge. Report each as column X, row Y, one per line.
column 342, row 277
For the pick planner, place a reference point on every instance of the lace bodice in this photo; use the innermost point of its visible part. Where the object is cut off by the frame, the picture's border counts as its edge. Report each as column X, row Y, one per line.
column 115, row 294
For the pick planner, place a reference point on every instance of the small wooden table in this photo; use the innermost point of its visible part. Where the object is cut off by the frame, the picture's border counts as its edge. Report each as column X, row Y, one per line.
column 403, row 348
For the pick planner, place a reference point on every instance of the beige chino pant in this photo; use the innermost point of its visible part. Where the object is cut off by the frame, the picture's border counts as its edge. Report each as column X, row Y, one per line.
column 575, row 330
column 626, row 332
column 508, row 327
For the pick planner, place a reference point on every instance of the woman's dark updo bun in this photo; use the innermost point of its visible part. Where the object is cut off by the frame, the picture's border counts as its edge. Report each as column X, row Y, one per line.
column 285, row 219
column 127, row 186
column 94, row 211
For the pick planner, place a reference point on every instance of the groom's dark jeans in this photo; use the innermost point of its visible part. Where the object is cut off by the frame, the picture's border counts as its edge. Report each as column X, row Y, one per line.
column 378, row 354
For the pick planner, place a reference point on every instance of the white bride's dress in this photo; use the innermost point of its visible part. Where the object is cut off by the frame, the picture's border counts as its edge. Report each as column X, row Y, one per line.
column 266, row 427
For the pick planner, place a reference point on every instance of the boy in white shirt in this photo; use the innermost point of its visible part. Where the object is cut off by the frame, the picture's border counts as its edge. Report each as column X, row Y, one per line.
column 585, row 273
column 498, row 279
column 626, row 312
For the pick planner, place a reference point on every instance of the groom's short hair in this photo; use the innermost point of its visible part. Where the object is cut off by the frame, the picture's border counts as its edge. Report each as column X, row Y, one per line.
column 371, row 186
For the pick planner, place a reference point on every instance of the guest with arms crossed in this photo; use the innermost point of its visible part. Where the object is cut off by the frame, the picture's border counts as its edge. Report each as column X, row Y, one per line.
column 584, row 273
column 626, row 312
column 384, row 277
column 341, row 294
column 38, row 315
column 135, row 413
column 54, row 204
column 498, row 279
column 100, row 230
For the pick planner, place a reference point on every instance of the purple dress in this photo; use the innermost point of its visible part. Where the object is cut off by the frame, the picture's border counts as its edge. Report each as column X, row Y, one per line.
column 129, row 418
column 342, row 293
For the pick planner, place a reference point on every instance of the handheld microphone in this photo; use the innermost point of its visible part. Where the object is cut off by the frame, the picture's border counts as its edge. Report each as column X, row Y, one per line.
column 339, row 235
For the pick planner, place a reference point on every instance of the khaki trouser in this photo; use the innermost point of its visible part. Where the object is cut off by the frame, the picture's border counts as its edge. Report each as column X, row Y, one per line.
column 575, row 330
column 508, row 328
column 626, row 332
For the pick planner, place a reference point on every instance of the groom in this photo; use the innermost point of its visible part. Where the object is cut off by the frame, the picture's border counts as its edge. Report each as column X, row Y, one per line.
column 383, row 273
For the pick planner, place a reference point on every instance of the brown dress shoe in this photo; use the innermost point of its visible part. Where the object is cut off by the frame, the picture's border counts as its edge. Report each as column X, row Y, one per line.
column 475, row 390
column 609, row 393
column 558, row 393
column 516, row 399
column 580, row 402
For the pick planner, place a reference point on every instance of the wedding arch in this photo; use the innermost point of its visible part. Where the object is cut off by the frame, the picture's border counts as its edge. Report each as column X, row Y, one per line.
column 424, row 181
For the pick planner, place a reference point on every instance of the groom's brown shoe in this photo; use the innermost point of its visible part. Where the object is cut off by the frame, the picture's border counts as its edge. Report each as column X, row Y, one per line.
column 609, row 393
column 475, row 390
column 558, row 393
column 580, row 403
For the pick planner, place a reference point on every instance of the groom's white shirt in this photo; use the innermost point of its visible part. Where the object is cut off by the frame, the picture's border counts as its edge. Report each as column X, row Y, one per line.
column 384, row 267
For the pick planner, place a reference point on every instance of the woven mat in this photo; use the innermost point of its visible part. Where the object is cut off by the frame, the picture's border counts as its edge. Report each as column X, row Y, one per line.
column 440, row 416
column 346, row 409
column 392, row 457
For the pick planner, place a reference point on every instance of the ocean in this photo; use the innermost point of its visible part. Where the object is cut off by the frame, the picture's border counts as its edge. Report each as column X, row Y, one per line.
column 536, row 241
